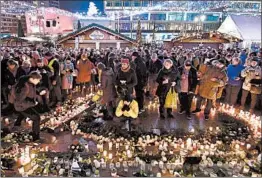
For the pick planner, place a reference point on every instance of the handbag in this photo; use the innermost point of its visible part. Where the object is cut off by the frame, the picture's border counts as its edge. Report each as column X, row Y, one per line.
column 171, row 99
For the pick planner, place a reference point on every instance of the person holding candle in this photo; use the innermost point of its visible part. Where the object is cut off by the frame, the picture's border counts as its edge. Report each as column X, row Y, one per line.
column 234, row 81
column 126, row 78
column 25, row 101
column 252, row 83
column 188, row 85
column 167, row 78
column 213, row 77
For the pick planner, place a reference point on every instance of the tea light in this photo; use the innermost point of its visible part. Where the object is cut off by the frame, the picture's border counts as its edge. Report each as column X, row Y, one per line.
column 110, row 155
column 30, row 123
column 210, row 129
column 237, row 146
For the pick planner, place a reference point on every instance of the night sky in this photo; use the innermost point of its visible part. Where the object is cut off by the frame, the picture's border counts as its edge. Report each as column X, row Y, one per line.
column 80, row 6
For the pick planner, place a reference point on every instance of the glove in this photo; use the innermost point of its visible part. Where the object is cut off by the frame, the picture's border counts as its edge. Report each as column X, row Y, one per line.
column 125, row 108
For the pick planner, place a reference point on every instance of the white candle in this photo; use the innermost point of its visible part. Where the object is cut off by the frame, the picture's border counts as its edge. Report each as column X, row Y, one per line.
column 211, row 129
column 110, row 144
column 110, row 155
column 237, row 146
column 105, row 153
column 6, row 121
column 129, row 155
column 248, row 146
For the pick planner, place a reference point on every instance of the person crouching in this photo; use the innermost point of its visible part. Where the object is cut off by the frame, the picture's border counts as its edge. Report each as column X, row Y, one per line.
column 25, row 101
column 127, row 109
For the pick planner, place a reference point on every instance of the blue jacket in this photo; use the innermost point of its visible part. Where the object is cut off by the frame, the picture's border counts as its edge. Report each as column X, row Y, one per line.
column 233, row 72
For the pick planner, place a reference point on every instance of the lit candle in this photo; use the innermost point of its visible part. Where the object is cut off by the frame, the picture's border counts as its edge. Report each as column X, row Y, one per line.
column 129, row 155
column 86, row 147
column 105, row 153
column 110, row 144
column 46, row 148
column 30, row 123
column 237, row 146
column 110, row 155
column 210, row 129
column 6, row 121
column 248, row 146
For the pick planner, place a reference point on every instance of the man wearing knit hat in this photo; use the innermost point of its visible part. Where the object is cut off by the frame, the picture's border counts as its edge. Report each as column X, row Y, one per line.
column 126, row 78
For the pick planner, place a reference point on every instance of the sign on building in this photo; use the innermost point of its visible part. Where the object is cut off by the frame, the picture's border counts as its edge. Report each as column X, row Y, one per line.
column 96, row 35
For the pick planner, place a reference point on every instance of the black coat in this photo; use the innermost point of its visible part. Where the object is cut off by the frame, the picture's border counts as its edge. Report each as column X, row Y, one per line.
column 130, row 78
column 173, row 76
column 192, row 78
column 155, row 67
column 141, row 71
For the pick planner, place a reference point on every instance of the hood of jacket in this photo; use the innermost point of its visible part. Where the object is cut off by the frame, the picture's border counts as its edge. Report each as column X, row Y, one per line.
column 108, row 71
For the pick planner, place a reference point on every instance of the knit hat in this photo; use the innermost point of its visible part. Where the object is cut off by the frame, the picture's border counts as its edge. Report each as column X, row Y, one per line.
column 254, row 59
column 188, row 62
column 124, row 61
column 101, row 66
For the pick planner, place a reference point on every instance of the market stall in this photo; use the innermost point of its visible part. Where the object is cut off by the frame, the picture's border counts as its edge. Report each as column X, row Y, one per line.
column 245, row 27
column 95, row 36
column 209, row 39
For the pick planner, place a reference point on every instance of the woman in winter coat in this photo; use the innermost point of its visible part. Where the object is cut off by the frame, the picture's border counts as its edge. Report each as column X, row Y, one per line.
column 24, row 97
column 85, row 67
column 167, row 77
column 234, row 81
column 107, row 82
column 252, row 83
column 67, row 69
column 212, row 80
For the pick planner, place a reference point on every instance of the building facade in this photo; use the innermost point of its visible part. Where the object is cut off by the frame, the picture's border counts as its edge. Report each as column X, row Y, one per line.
column 49, row 21
column 161, row 20
column 9, row 23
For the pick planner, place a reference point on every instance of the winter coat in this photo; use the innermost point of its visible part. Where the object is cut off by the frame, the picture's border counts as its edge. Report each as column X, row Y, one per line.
column 252, row 75
column 25, row 94
column 141, row 71
column 67, row 75
column 133, row 109
column 232, row 73
column 54, row 66
column 155, row 67
column 129, row 76
column 207, row 88
column 192, row 78
column 10, row 78
column 84, row 71
column 108, row 85
column 173, row 75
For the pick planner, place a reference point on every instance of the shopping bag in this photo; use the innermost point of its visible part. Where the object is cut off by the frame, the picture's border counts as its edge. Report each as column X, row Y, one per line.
column 171, row 99
column 97, row 96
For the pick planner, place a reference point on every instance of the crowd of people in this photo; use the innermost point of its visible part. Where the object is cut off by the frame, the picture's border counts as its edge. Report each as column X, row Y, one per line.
column 34, row 80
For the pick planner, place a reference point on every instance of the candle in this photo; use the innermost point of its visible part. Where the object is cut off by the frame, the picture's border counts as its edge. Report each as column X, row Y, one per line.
column 110, row 144
column 6, row 121
column 110, row 155
column 46, row 148
column 129, row 155
column 30, row 123
column 87, row 147
column 105, row 153
column 248, row 146
column 117, row 146
column 237, row 146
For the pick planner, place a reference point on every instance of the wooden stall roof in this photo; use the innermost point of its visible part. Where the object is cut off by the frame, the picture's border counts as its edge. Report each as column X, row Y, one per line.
column 210, row 37
column 91, row 26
